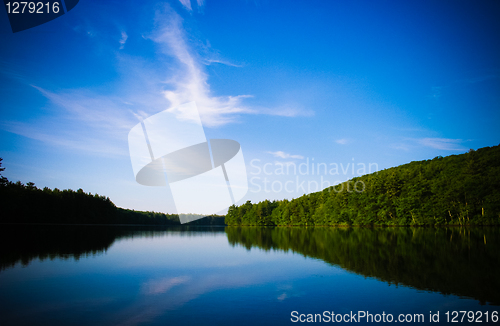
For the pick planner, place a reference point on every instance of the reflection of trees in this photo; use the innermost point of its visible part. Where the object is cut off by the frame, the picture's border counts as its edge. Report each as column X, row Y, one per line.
column 458, row 261
column 24, row 243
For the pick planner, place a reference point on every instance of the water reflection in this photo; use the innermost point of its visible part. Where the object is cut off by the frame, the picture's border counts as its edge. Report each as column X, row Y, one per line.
column 192, row 275
column 460, row 261
column 21, row 244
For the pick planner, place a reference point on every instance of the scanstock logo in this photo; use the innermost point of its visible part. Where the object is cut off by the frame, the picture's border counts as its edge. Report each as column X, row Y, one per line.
column 27, row 14
column 170, row 149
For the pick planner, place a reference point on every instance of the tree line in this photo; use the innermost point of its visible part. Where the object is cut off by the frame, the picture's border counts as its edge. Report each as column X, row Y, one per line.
column 454, row 190
column 25, row 203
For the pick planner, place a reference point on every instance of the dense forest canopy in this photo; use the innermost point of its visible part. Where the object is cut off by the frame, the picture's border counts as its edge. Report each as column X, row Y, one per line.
column 454, row 190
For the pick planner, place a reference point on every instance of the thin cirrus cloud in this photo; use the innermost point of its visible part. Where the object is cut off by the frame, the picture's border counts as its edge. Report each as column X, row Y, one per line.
column 103, row 113
column 287, row 111
column 123, row 40
column 88, row 122
column 191, row 82
column 209, row 61
column 64, row 139
column 284, row 155
column 143, row 91
column 442, row 143
column 187, row 4
column 342, row 141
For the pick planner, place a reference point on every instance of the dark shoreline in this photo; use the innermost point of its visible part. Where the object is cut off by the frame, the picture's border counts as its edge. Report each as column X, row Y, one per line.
column 261, row 226
column 102, row 224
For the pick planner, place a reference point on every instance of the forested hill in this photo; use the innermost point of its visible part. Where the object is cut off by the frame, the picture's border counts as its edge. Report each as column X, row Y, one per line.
column 454, row 190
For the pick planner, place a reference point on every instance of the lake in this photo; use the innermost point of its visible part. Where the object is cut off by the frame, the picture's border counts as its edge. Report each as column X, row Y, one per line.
column 105, row 275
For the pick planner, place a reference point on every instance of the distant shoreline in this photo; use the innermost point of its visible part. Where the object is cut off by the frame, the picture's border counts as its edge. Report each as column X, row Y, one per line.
column 102, row 224
column 260, row 226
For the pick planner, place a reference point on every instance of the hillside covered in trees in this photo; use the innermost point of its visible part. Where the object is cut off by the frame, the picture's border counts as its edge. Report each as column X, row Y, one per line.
column 454, row 190
column 25, row 203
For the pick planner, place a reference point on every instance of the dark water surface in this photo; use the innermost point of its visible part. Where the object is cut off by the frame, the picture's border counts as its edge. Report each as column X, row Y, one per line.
column 80, row 275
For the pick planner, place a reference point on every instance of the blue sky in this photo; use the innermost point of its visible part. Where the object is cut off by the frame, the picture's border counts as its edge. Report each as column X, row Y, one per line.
column 334, row 82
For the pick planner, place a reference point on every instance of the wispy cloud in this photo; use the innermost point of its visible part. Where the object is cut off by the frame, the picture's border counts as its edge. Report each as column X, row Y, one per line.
column 186, row 4
column 80, row 120
column 284, row 155
column 442, row 143
column 14, row 71
column 190, row 83
column 103, row 118
column 105, row 113
column 287, row 111
column 209, row 61
column 400, row 146
column 123, row 40
column 66, row 139
column 209, row 55
column 342, row 141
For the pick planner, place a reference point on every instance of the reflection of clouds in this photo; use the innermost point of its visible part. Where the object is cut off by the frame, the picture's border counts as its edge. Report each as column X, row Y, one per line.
column 196, row 265
column 287, row 291
column 163, row 285
column 171, row 293
column 282, row 297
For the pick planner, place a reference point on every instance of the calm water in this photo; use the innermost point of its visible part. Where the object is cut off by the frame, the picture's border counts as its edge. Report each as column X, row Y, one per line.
column 244, row 276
